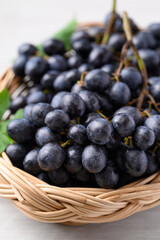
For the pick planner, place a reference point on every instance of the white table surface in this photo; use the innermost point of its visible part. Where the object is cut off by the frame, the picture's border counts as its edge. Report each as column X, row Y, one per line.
column 33, row 21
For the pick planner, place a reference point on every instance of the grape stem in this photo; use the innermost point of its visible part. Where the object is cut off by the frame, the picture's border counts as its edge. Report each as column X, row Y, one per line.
column 110, row 24
column 123, row 55
column 102, row 115
column 63, row 145
column 81, row 81
column 141, row 65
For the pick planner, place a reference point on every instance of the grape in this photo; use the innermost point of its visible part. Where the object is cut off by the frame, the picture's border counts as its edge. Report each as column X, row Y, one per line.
column 94, row 158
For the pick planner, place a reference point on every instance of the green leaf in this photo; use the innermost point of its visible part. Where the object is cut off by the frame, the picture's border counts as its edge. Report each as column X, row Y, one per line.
column 4, row 142
column 63, row 35
column 3, row 125
column 4, row 102
column 18, row 114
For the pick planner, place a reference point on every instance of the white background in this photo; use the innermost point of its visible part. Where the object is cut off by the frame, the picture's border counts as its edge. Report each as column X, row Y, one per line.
column 35, row 20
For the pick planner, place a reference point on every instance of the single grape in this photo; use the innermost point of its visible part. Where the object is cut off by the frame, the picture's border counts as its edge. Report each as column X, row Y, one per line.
column 116, row 41
column 120, row 93
column 35, row 67
column 96, row 80
column 150, row 58
column 30, row 162
column 79, row 35
column 44, row 135
column 44, row 177
column 77, row 133
column 94, row 158
column 19, row 65
column 56, row 100
column 136, row 162
column 100, row 55
column 99, row 131
column 27, row 112
column 27, row 49
column 51, row 156
column 155, row 29
column 90, row 99
column 36, row 97
column 53, row 46
column 73, row 162
column 59, row 176
column 57, row 120
column 153, row 164
column 17, row 103
column 123, row 124
column 73, row 104
column 153, row 122
column 20, row 130
column 39, row 112
column 82, row 47
column 144, row 137
column 132, row 77
column 155, row 91
column 132, row 111
column 75, row 61
column 109, row 177
column 48, row 79
column 16, row 153
column 144, row 40
column 57, row 63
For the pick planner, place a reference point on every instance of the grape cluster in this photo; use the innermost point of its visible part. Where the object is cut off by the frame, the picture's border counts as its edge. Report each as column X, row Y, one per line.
column 81, row 126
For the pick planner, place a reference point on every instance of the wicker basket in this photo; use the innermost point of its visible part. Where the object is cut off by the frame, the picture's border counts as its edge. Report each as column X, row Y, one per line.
column 73, row 206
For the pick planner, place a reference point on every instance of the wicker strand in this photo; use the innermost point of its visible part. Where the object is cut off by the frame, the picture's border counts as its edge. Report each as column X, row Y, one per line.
column 74, row 206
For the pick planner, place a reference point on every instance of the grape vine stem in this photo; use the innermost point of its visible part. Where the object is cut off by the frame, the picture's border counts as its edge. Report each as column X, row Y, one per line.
column 110, row 24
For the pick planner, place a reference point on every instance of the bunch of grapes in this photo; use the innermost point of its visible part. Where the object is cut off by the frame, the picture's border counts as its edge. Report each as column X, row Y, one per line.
column 91, row 117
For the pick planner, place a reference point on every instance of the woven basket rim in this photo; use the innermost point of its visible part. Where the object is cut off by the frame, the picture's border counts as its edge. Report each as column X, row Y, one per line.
column 73, row 206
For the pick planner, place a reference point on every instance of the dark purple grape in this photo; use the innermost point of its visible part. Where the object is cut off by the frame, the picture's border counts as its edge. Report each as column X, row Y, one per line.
column 77, row 133
column 90, row 99
column 57, row 120
column 153, row 122
column 109, row 177
column 94, row 158
column 73, row 104
column 17, row 103
column 53, row 46
column 132, row 111
column 48, row 79
column 136, row 162
column 20, row 130
column 123, row 124
column 59, row 176
column 51, row 156
column 120, row 93
column 27, row 49
column 144, row 137
column 57, row 63
column 96, row 80
column 73, row 163
column 30, row 162
column 99, row 131
column 44, row 135
column 39, row 112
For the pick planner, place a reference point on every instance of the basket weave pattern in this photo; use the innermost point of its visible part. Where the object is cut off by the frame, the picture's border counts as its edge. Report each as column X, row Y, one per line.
column 43, row 202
